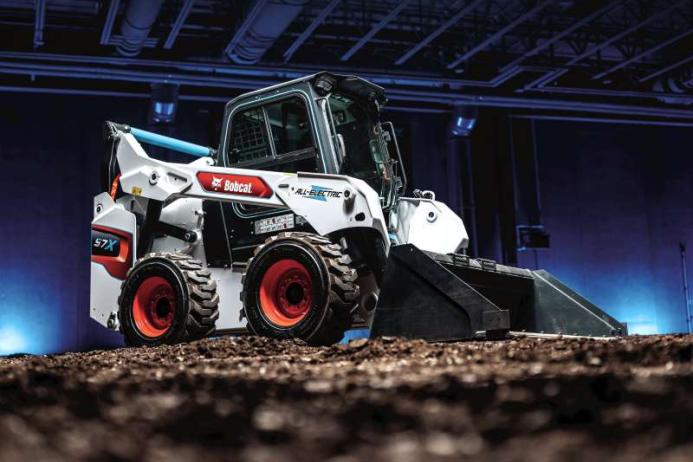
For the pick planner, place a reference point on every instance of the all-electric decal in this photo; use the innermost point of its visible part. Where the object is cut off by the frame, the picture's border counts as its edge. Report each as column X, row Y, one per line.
column 242, row 185
column 318, row 193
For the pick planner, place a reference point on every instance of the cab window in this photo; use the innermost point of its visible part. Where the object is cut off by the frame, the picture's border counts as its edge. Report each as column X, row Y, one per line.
column 288, row 120
column 278, row 136
column 248, row 138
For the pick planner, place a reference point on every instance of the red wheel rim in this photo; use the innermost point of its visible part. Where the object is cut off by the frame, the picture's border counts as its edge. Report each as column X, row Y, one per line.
column 286, row 293
column 154, row 306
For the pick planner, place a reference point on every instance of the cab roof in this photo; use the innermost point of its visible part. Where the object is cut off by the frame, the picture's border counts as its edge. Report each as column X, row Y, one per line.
column 349, row 84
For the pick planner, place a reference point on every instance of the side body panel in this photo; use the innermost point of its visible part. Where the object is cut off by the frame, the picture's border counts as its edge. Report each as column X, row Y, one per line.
column 243, row 231
column 185, row 213
column 429, row 225
column 320, row 202
column 328, row 203
column 113, row 244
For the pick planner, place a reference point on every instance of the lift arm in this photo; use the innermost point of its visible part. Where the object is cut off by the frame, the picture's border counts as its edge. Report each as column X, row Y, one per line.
column 329, row 203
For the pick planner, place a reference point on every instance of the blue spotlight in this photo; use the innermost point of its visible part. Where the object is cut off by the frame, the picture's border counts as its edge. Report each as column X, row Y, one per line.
column 33, row 321
column 163, row 104
column 12, row 340
column 640, row 320
column 463, row 121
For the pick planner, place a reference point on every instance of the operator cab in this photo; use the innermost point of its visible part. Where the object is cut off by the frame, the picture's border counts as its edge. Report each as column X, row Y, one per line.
column 324, row 123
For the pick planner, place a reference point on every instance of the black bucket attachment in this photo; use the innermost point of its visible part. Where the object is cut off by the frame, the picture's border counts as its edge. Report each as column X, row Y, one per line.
column 453, row 297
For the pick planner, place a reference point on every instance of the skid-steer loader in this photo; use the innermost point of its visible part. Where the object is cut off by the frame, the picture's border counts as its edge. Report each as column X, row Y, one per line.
column 295, row 227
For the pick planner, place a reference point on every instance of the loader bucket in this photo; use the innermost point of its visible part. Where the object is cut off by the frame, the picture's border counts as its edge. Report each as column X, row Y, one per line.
column 453, row 297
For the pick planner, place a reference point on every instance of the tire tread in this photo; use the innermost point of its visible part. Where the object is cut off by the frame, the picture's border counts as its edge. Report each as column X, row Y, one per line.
column 203, row 299
column 343, row 290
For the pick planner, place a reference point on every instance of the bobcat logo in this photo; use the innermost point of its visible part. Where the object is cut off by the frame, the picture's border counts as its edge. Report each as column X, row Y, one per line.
column 230, row 183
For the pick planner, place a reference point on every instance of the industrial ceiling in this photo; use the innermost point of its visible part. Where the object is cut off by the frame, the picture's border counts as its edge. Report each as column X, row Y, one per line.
column 615, row 56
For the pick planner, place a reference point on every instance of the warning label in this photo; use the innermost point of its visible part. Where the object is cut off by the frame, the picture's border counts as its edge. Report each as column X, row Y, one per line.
column 272, row 224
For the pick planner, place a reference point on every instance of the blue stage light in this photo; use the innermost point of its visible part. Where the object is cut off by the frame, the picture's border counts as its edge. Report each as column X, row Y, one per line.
column 641, row 328
column 463, row 121
column 164, row 102
column 463, row 126
column 164, row 110
column 31, row 320
column 12, row 340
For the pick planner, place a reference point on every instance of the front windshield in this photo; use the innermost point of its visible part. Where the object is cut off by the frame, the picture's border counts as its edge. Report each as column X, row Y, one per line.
column 365, row 155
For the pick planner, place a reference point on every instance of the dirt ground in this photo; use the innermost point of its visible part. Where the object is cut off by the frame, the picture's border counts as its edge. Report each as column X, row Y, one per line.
column 256, row 399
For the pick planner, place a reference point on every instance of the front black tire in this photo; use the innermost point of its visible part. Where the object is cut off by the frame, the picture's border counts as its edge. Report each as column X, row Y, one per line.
column 300, row 285
column 167, row 298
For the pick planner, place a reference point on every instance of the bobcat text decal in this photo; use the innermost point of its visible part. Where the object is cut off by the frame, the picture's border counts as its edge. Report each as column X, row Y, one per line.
column 241, row 185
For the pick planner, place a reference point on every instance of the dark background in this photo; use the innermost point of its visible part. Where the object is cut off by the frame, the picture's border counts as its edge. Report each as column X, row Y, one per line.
column 583, row 126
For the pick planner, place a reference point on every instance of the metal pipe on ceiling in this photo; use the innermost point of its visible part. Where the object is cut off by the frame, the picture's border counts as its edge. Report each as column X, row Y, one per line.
column 675, row 89
column 498, row 35
column 262, row 26
column 319, row 19
column 666, row 69
column 442, row 28
column 644, row 54
column 216, row 75
column 258, row 78
column 108, row 24
column 191, row 97
column 419, row 110
column 590, row 51
column 566, row 32
column 60, row 6
column 375, row 29
column 39, row 22
column 675, row 92
column 606, row 120
column 178, row 24
column 140, row 16
column 627, row 31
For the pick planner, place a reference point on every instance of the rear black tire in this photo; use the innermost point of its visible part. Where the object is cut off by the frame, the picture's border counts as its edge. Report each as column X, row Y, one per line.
column 329, row 282
column 167, row 298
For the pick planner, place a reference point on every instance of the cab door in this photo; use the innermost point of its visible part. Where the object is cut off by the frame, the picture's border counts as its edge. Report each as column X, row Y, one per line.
column 278, row 135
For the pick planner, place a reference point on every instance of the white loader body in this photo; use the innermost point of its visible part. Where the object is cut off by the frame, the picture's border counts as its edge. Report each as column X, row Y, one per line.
column 429, row 225
column 300, row 255
column 328, row 203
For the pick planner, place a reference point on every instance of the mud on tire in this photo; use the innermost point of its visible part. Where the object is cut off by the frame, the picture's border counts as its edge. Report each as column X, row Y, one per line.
column 167, row 298
column 320, row 273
